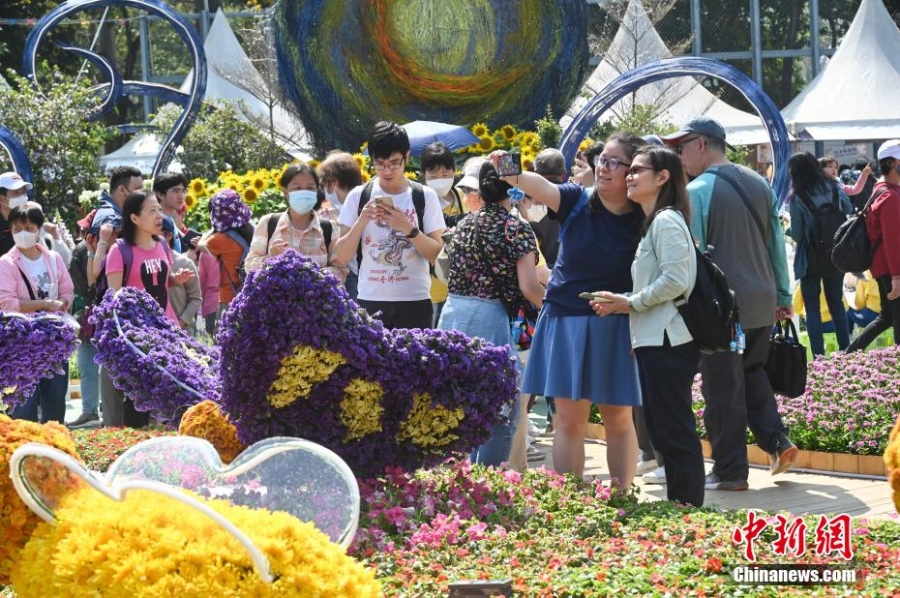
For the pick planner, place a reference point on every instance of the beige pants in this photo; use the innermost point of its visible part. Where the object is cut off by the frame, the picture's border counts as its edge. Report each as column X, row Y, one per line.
column 518, row 458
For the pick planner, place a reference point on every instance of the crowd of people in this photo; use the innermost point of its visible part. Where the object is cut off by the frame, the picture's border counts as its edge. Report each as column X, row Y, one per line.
column 606, row 252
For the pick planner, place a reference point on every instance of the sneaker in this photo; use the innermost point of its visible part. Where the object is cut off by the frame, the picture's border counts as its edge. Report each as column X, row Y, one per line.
column 714, row 482
column 657, row 476
column 84, row 420
column 534, row 454
column 645, row 466
column 784, row 456
column 533, row 431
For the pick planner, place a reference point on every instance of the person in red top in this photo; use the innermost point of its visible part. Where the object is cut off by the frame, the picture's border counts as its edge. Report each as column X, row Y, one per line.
column 883, row 226
column 228, row 242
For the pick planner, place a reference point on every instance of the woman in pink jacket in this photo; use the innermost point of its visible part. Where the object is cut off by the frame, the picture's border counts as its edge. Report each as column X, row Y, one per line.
column 35, row 279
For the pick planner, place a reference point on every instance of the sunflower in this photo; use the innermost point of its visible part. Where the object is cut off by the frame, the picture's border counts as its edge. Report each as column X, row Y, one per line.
column 527, row 163
column 250, row 195
column 259, row 183
column 585, row 144
column 362, row 161
column 365, row 176
column 411, row 175
column 190, row 202
column 486, row 144
column 198, row 186
column 480, row 130
column 508, row 132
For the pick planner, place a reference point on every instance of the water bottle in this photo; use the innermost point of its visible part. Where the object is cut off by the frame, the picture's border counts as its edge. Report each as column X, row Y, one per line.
column 740, row 340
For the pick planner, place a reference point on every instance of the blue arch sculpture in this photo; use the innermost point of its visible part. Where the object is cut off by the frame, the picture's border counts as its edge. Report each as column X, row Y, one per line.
column 680, row 67
column 115, row 86
column 17, row 155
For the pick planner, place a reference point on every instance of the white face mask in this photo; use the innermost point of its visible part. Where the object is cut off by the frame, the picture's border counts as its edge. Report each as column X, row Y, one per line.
column 15, row 202
column 440, row 186
column 302, row 201
column 25, row 239
column 537, row 212
column 334, row 200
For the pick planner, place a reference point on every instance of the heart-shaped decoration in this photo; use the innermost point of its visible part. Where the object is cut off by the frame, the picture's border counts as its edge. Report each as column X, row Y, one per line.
column 32, row 347
column 279, row 474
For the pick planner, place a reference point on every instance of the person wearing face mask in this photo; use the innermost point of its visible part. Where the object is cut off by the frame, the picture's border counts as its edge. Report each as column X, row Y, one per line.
column 13, row 193
column 439, row 165
column 298, row 228
column 339, row 174
column 35, row 279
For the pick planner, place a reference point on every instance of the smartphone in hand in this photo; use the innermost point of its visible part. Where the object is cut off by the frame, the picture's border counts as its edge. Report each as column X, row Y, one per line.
column 385, row 201
column 594, row 297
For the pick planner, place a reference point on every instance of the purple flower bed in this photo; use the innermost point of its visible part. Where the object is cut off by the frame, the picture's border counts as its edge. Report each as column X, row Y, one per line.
column 32, row 347
column 850, row 404
column 299, row 358
column 158, row 366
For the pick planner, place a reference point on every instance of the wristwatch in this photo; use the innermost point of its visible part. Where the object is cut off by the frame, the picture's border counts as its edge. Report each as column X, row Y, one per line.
column 413, row 233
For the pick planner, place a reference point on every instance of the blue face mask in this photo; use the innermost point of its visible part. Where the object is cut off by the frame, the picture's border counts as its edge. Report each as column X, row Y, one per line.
column 302, row 201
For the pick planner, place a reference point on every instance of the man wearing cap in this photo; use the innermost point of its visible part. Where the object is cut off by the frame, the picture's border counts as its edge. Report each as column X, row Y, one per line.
column 85, row 297
column 883, row 228
column 747, row 243
column 13, row 193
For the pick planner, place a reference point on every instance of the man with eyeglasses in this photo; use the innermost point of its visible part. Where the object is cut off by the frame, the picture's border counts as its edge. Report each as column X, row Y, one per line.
column 734, row 210
column 383, row 234
column 171, row 189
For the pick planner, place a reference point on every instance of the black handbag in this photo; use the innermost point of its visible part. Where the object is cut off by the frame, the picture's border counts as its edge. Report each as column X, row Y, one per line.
column 786, row 366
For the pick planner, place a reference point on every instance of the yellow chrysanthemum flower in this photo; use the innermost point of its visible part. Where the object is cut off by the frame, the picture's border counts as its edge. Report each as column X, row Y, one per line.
column 486, row 144
column 508, row 132
column 480, row 130
column 190, row 202
column 585, row 144
column 299, row 372
column 205, row 420
column 361, row 409
column 250, row 195
column 198, row 186
column 430, row 426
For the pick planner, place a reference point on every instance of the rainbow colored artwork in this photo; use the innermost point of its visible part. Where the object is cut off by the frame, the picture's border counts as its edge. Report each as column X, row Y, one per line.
column 347, row 64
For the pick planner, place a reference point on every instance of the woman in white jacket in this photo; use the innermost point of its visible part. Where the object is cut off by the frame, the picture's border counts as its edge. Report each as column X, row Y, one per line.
column 664, row 269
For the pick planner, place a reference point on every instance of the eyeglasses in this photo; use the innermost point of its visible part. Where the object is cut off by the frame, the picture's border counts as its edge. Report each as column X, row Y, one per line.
column 636, row 170
column 610, row 163
column 680, row 147
column 392, row 165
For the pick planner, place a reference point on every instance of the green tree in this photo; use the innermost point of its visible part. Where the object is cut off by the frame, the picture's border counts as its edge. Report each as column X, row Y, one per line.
column 220, row 140
column 62, row 144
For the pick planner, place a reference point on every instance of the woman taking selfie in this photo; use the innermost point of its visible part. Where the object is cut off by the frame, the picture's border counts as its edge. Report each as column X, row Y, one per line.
column 664, row 269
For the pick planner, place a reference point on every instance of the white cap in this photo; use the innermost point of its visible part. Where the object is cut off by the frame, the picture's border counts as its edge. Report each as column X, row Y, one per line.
column 470, row 173
column 13, row 182
column 889, row 149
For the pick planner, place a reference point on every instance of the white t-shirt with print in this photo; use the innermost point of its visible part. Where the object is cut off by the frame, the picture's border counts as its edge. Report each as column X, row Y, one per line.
column 44, row 288
column 392, row 269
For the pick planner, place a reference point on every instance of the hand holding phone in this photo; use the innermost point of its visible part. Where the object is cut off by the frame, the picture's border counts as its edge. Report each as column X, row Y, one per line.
column 596, row 296
column 509, row 164
column 385, row 201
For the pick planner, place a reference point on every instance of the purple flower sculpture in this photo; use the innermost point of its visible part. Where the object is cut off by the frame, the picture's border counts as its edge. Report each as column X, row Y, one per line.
column 227, row 211
column 158, row 366
column 300, row 358
column 32, row 347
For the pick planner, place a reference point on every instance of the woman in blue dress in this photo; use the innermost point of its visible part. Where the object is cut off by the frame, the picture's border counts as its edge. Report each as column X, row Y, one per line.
column 577, row 357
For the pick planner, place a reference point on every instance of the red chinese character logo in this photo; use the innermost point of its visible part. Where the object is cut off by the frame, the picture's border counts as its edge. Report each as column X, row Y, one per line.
column 791, row 537
column 748, row 533
column 834, row 536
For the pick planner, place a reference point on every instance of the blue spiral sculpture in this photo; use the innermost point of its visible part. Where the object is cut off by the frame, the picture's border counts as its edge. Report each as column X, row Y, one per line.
column 17, row 155
column 681, row 67
column 115, row 87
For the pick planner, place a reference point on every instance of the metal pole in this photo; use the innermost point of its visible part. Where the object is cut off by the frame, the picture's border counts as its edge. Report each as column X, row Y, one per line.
column 144, row 31
column 93, row 43
column 204, row 20
column 696, row 34
column 756, row 42
column 816, row 54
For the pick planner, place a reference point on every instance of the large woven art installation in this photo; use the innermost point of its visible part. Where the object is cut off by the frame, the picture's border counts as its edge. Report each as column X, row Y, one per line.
column 346, row 64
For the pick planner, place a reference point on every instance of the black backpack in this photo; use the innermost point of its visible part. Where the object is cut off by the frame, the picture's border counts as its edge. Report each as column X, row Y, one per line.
column 852, row 251
column 827, row 219
column 710, row 312
column 418, row 198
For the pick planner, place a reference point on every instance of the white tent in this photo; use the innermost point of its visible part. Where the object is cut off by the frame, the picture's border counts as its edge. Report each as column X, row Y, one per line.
column 141, row 151
column 679, row 99
column 227, row 59
column 855, row 96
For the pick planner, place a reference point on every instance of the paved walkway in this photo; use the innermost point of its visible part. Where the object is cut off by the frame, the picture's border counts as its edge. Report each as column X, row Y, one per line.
column 797, row 491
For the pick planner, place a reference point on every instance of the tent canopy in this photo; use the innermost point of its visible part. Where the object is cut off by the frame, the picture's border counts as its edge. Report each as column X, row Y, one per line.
column 679, row 99
column 855, row 96
column 141, row 151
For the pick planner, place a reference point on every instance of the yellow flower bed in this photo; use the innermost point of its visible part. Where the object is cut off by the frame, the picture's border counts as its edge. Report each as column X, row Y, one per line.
column 205, row 420
column 151, row 545
column 298, row 373
column 892, row 460
column 17, row 522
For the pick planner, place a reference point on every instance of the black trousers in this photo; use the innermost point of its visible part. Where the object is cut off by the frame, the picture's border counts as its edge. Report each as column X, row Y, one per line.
column 738, row 394
column 666, row 375
column 400, row 314
column 889, row 317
